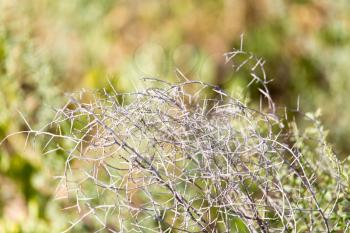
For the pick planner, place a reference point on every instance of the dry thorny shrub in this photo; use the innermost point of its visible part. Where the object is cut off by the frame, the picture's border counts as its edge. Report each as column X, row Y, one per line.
column 187, row 157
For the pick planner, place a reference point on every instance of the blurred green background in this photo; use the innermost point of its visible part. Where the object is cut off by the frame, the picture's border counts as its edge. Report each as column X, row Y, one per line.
column 48, row 48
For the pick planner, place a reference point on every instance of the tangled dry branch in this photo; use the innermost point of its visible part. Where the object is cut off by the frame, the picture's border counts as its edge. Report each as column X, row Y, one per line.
column 187, row 157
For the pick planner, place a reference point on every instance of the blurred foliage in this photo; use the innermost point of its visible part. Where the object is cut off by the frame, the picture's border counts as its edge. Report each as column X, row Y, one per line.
column 51, row 47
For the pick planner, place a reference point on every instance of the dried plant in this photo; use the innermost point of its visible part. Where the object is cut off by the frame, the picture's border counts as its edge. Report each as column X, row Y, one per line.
column 188, row 157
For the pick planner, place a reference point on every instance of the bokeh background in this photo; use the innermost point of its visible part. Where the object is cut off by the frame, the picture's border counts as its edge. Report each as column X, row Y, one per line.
column 48, row 48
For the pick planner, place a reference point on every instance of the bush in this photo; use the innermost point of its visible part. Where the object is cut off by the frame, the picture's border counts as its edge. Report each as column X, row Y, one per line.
column 188, row 157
